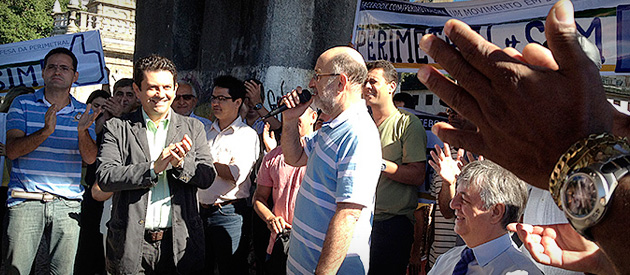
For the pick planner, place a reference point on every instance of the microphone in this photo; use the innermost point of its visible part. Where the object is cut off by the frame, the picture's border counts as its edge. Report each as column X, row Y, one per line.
column 305, row 96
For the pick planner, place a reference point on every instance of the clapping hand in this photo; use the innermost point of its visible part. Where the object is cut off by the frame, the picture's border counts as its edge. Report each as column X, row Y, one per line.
column 179, row 150
column 174, row 154
column 113, row 107
column 50, row 120
column 86, row 119
column 518, row 102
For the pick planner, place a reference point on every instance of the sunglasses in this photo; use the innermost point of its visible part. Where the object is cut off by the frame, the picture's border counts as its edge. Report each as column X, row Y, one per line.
column 185, row 97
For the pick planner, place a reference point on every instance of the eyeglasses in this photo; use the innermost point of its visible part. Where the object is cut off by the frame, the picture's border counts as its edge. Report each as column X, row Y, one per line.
column 318, row 76
column 63, row 68
column 184, row 97
column 220, row 98
column 450, row 111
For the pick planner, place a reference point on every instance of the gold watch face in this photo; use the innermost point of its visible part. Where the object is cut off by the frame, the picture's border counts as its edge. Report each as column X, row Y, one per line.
column 580, row 195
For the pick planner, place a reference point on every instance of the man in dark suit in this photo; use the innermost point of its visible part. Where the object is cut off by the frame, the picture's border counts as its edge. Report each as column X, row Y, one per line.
column 154, row 160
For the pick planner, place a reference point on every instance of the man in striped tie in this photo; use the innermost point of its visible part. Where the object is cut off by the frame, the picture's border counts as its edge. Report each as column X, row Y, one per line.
column 487, row 199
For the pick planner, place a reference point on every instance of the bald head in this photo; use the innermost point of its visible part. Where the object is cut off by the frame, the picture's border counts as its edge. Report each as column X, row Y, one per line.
column 346, row 60
column 338, row 80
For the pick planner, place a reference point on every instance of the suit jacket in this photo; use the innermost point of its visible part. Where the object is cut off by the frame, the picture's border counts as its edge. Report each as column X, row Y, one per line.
column 123, row 168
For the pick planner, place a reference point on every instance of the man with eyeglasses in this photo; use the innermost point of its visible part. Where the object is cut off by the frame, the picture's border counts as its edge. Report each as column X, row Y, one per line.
column 186, row 101
column 234, row 148
column 49, row 135
column 335, row 204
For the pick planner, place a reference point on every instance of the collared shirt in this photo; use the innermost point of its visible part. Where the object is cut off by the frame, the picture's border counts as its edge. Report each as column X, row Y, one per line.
column 159, row 208
column 285, row 181
column 237, row 146
column 498, row 256
column 55, row 165
column 344, row 159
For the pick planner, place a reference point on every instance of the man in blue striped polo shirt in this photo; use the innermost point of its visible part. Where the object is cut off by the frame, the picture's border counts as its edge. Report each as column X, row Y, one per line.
column 334, row 207
column 49, row 135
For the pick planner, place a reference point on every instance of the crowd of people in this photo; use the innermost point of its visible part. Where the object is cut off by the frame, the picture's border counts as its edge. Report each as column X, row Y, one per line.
column 134, row 182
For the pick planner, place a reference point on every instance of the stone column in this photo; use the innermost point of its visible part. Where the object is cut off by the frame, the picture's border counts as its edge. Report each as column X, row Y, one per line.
column 276, row 41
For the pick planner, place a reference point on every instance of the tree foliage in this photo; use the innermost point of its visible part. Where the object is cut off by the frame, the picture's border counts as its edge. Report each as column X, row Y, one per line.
column 22, row 20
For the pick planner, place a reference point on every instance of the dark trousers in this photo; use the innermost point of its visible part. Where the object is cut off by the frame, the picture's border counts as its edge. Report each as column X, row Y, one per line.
column 391, row 245
column 224, row 231
column 157, row 256
column 90, row 254
column 260, row 239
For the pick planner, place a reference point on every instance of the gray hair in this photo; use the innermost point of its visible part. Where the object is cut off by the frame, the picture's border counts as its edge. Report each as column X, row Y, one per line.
column 496, row 185
column 192, row 87
column 356, row 71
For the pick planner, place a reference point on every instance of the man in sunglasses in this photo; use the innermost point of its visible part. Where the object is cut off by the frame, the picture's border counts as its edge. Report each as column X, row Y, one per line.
column 186, row 101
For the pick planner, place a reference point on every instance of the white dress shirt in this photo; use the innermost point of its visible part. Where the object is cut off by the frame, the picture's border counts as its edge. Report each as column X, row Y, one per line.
column 238, row 147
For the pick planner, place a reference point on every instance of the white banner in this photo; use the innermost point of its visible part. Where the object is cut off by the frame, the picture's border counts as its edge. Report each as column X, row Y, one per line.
column 21, row 63
column 391, row 30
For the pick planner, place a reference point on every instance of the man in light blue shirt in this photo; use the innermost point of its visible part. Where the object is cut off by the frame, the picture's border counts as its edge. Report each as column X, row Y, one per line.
column 49, row 135
column 487, row 199
column 333, row 214
column 186, row 101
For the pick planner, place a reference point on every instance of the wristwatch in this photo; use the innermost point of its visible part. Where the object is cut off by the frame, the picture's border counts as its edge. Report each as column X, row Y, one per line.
column 586, row 176
column 593, row 149
column 258, row 106
column 586, row 193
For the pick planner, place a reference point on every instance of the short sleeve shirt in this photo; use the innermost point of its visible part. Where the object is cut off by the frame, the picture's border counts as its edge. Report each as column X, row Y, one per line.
column 403, row 140
column 344, row 159
column 55, row 165
column 285, row 181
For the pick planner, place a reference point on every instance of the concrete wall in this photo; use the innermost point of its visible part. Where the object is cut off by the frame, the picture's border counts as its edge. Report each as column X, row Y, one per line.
column 276, row 41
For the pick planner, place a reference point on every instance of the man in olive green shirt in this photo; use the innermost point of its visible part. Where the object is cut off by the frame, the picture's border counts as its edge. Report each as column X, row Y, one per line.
column 403, row 141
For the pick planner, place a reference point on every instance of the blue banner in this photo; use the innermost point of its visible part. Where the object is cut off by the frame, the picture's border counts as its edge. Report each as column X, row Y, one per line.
column 21, row 63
